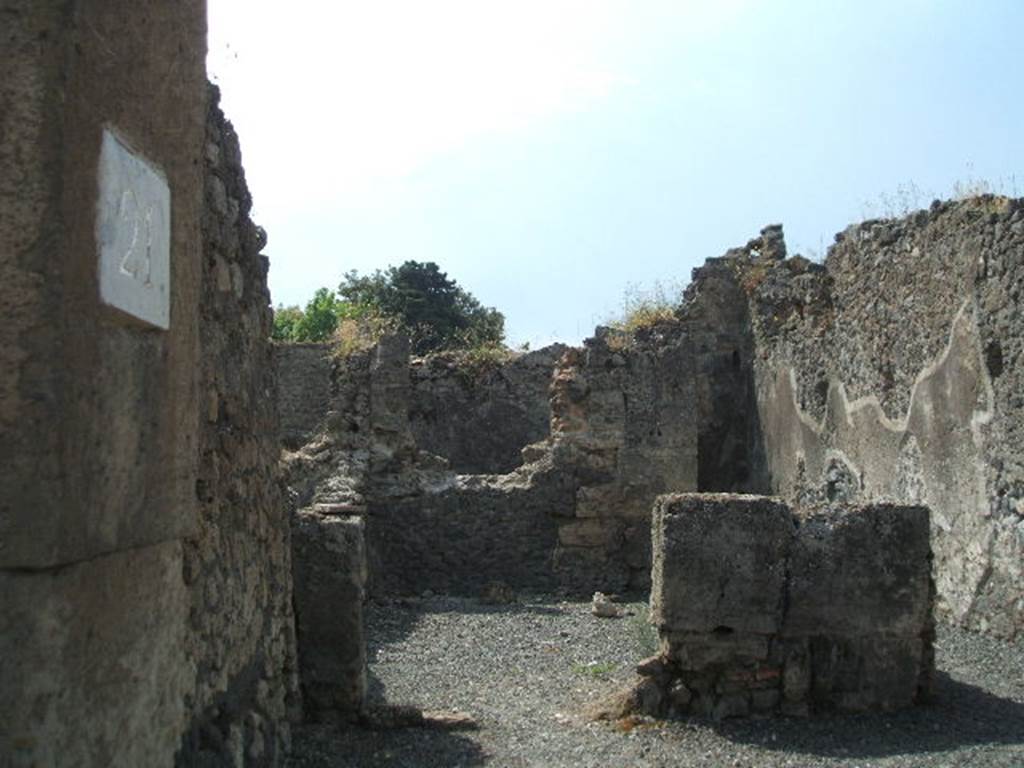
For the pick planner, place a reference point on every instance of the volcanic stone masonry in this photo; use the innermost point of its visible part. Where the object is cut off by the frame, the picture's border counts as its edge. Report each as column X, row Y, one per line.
column 148, row 550
column 892, row 372
column 144, row 545
column 764, row 610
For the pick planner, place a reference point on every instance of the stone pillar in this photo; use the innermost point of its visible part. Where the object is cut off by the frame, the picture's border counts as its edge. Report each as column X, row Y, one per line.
column 329, row 565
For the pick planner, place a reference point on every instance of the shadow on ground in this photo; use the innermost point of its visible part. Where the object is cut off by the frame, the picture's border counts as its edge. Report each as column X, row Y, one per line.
column 960, row 715
column 324, row 746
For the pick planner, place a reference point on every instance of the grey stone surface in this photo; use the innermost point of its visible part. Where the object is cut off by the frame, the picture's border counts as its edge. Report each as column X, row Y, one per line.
column 98, row 411
column 330, row 584
column 720, row 563
column 894, row 372
column 460, row 537
column 304, row 376
column 241, row 631
column 624, row 428
column 860, row 570
column 479, row 415
column 93, row 661
column 762, row 610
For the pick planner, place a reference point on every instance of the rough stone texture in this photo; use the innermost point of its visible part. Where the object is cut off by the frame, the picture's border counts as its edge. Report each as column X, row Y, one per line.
column 426, row 527
column 761, row 610
column 575, row 515
column 715, row 316
column 895, row 372
column 98, row 413
column 92, row 661
column 147, row 599
column 480, row 416
column 330, row 583
column 304, row 390
column 241, row 637
column 468, row 532
column 720, row 563
column 624, row 429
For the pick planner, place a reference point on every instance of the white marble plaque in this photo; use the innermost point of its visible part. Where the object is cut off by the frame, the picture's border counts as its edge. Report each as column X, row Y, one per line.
column 133, row 234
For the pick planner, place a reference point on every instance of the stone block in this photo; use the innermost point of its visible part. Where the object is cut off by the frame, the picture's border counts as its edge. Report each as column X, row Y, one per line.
column 329, row 567
column 719, row 563
column 93, row 662
column 590, row 533
column 763, row 610
column 858, row 570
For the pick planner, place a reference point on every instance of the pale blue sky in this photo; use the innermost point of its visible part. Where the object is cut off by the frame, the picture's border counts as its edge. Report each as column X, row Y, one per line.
column 549, row 154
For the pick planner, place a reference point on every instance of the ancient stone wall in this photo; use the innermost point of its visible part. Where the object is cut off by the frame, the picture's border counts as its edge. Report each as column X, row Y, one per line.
column 143, row 539
column 763, row 610
column 715, row 316
column 575, row 515
column 623, row 430
column 304, row 390
column 241, row 637
column 895, row 372
column 480, row 415
column 98, row 407
column 329, row 590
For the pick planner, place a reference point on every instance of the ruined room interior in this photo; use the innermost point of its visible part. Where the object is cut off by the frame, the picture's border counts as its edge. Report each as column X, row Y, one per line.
column 211, row 544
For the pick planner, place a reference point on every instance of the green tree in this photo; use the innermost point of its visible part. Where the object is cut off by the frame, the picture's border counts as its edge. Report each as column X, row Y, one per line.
column 431, row 308
column 286, row 322
column 320, row 317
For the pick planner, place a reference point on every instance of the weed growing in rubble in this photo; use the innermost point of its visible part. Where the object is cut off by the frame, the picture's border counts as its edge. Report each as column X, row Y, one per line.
column 643, row 308
column 644, row 634
column 356, row 334
column 909, row 197
column 598, row 669
column 476, row 362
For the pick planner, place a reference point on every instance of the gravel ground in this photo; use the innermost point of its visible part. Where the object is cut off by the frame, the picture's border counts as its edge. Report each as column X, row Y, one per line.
column 525, row 672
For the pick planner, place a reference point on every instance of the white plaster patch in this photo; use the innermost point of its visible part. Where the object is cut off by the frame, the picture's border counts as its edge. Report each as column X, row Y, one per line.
column 133, row 234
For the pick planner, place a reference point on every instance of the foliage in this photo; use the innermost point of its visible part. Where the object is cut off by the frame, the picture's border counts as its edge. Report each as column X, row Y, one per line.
column 595, row 668
column 286, row 322
column 426, row 304
column 314, row 323
column 644, row 308
column 909, row 197
column 358, row 333
column 476, row 362
column 644, row 633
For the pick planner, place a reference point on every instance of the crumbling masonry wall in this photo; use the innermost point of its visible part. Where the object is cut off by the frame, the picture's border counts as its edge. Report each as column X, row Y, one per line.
column 99, row 413
column 143, row 547
column 575, row 515
column 304, row 390
column 623, row 430
column 763, row 610
column 896, row 371
column 241, row 635
column 477, row 414
column 480, row 415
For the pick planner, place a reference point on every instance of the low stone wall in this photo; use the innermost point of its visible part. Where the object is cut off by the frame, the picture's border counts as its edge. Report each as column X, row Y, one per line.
column 764, row 610
column 575, row 515
column 469, row 532
column 304, row 390
column 480, row 415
